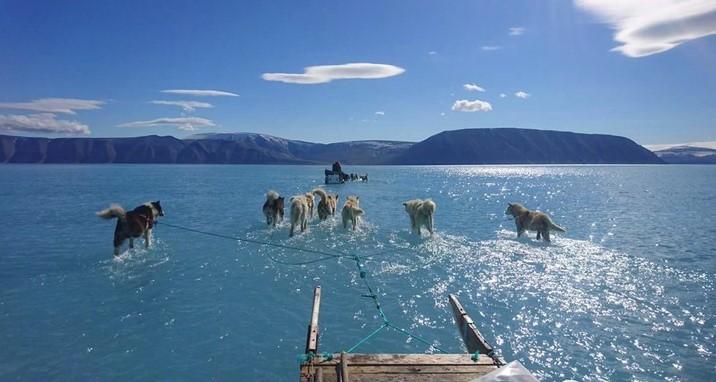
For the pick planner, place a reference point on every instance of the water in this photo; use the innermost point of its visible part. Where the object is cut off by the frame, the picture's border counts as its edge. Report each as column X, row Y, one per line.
column 626, row 294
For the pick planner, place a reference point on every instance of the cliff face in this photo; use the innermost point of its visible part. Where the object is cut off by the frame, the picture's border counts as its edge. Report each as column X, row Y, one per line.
column 470, row 146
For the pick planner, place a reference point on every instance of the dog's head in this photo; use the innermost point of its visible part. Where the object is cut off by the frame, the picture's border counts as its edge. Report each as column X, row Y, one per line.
column 157, row 206
column 513, row 209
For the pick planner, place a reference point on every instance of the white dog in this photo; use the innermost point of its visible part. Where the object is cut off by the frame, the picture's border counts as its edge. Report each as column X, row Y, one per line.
column 351, row 212
column 421, row 213
column 299, row 213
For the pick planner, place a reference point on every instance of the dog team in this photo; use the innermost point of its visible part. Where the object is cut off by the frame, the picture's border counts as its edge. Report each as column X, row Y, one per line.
column 140, row 221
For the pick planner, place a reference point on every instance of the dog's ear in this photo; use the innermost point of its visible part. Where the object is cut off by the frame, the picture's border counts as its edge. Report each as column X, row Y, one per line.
column 509, row 204
column 405, row 203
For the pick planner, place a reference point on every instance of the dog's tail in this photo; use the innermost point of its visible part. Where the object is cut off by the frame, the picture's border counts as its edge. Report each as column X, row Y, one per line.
column 114, row 211
column 271, row 195
column 321, row 193
column 358, row 211
column 555, row 227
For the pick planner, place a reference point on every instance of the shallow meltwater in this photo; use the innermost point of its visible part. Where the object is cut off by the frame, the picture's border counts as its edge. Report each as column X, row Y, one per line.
column 625, row 294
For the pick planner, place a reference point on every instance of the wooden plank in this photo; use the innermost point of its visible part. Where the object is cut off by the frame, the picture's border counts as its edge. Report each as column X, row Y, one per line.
column 344, row 368
column 312, row 336
column 361, row 359
column 473, row 339
column 398, row 367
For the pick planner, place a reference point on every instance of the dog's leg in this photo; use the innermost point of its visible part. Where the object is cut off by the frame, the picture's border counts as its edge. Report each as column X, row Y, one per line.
column 538, row 234
column 116, row 250
column 430, row 225
column 131, row 242
column 293, row 225
column 147, row 238
column 545, row 235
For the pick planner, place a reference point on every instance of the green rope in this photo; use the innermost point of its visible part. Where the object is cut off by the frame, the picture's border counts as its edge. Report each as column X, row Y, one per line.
column 326, row 256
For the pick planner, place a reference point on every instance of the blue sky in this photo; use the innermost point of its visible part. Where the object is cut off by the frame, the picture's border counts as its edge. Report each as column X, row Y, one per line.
column 93, row 68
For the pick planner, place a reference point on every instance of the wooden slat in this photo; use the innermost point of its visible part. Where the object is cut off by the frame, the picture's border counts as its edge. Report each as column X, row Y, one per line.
column 399, row 367
column 344, row 368
column 312, row 336
column 473, row 339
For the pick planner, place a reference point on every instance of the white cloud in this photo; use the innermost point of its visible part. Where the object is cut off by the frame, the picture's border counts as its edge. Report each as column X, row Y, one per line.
column 327, row 73
column 490, row 47
column 379, row 113
column 200, row 93
column 41, row 123
column 646, row 27
column 432, row 52
column 54, row 105
column 517, row 31
column 521, row 94
column 188, row 106
column 181, row 123
column 473, row 88
column 503, row 95
column 471, row 106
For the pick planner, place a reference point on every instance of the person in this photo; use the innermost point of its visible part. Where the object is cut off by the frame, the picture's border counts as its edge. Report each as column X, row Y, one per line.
column 337, row 167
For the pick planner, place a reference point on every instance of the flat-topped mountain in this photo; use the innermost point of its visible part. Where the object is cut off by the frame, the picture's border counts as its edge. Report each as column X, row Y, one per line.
column 469, row 146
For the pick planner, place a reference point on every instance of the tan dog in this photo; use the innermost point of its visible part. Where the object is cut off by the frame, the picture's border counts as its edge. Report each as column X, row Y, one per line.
column 309, row 200
column 421, row 214
column 351, row 212
column 532, row 221
column 324, row 205
column 333, row 203
column 299, row 213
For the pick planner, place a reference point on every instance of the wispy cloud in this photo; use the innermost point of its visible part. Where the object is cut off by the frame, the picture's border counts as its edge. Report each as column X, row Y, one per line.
column 41, row 123
column 473, row 88
column 432, row 52
column 517, row 31
column 521, row 94
column 181, row 123
column 379, row 113
column 503, row 95
column 327, row 73
column 471, row 106
column 188, row 106
column 490, row 47
column 644, row 28
column 200, row 93
column 54, row 105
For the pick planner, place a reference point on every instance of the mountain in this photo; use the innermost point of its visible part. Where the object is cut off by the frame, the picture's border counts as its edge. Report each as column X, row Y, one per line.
column 522, row 146
column 469, row 146
column 687, row 155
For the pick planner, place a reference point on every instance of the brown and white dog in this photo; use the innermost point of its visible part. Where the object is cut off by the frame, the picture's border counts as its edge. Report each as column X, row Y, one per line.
column 532, row 221
column 299, row 213
column 351, row 212
column 326, row 206
column 133, row 224
column 273, row 208
column 333, row 203
column 421, row 214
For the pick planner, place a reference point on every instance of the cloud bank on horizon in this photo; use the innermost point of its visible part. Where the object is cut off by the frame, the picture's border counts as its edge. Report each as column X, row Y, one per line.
column 322, row 74
column 646, row 27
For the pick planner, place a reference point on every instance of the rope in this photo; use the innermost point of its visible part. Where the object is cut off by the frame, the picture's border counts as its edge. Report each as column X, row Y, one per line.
column 326, row 256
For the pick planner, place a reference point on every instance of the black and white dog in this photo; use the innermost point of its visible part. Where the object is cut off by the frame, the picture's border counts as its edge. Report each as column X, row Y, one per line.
column 132, row 224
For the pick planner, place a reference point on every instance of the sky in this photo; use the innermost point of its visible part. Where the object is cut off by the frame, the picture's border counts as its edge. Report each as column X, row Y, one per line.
column 328, row 71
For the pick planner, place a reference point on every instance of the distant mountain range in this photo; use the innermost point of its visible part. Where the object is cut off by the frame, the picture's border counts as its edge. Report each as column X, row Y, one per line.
column 687, row 155
column 468, row 146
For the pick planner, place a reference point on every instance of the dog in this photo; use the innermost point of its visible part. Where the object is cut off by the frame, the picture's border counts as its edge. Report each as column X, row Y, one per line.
column 351, row 212
column 333, row 203
column 309, row 200
column 273, row 208
column 133, row 224
column 421, row 214
column 532, row 221
column 299, row 213
column 324, row 205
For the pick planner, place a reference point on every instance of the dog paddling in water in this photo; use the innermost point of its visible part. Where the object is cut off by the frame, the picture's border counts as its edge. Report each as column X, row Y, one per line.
column 135, row 223
column 532, row 221
column 273, row 208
